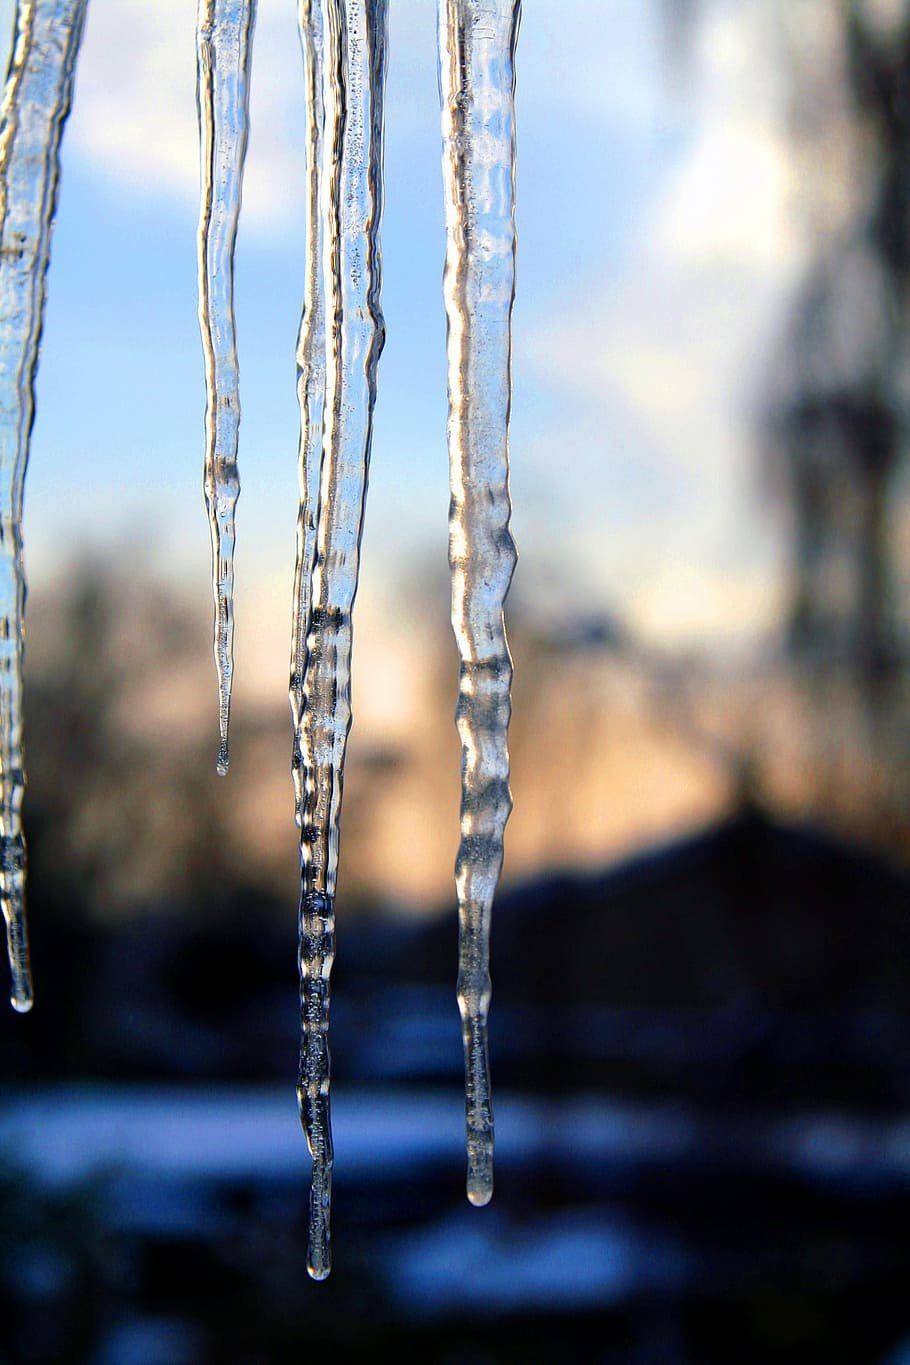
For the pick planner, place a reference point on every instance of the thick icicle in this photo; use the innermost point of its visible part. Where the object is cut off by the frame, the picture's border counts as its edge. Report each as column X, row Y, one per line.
column 353, row 68
column 36, row 102
column 477, row 84
column 224, row 40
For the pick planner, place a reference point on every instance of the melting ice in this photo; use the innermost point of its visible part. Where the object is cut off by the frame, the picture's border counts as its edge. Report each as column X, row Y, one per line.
column 340, row 339
column 36, row 102
column 224, row 41
column 344, row 45
column 477, row 84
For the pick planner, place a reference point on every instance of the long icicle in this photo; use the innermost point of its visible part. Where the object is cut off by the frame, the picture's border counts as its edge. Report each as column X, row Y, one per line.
column 311, row 369
column 36, row 102
column 477, row 41
column 224, row 40
column 351, row 197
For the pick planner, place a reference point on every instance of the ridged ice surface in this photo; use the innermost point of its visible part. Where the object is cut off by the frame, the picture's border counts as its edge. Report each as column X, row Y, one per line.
column 36, row 102
column 311, row 363
column 476, row 60
column 344, row 49
column 224, row 36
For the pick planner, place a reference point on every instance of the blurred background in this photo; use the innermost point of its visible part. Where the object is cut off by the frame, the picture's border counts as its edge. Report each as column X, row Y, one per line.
column 700, row 1029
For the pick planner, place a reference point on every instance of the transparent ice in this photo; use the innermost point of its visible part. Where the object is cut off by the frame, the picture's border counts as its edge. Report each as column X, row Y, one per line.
column 477, row 41
column 36, row 103
column 344, row 44
column 339, row 343
column 224, row 40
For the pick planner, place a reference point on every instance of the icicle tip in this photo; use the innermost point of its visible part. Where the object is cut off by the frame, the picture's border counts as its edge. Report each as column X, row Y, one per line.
column 480, row 1171
column 22, row 994
column 224, row 759
column 480, row 1194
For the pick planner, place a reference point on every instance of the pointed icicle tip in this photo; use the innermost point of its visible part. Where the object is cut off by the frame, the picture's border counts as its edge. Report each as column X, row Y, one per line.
column 224, row 759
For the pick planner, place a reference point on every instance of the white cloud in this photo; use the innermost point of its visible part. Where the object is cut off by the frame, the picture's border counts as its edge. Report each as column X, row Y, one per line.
column 134, row 116
column 673, row 351
column 729, row 203
column 134, row 112
column 730, row 199
column 678, row 346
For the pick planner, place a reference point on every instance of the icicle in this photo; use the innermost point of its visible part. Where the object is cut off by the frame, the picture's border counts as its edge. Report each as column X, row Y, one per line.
column 311, row 367
column 352, row 67
column 477, row 81
column 36, row 102
column 224, row 38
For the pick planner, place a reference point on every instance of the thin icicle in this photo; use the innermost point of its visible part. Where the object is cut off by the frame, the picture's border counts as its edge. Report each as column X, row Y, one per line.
column 224, row 40
column 477, row 84
column 36, row 102
column 311, row 367
column 354, row 36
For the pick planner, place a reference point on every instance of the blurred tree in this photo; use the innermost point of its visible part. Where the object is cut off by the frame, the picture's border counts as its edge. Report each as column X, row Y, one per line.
column 118, row 811
column 838, row 407
column 837, row 400
column 836, row 404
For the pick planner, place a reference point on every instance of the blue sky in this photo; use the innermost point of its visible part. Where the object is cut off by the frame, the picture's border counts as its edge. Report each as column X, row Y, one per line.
column 655, row 257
